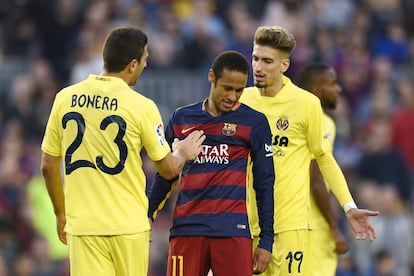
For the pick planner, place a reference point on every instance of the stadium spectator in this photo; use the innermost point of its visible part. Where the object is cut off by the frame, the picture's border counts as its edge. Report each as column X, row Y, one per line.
column 382, row 163
column 403, row 122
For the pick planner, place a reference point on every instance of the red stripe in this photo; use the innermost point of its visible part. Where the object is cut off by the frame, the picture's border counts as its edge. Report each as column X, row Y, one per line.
column 242, row 131
column 201, row 181
column 238, row 152
column 214, row 206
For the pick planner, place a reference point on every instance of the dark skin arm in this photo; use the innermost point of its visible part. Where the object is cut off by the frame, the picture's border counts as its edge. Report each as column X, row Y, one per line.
column 322, row 199
column 51, row 171
column 261, row 260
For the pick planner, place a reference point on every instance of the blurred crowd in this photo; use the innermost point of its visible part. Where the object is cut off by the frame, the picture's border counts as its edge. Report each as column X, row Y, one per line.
column 48, row 44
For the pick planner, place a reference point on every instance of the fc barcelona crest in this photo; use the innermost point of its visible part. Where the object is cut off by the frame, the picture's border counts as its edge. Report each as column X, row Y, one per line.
column 229, row 129
column 282, row 124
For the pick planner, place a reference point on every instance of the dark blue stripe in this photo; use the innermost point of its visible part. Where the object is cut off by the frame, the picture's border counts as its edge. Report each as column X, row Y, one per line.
column 213, row 192
column 238, row 164
column 220, row 225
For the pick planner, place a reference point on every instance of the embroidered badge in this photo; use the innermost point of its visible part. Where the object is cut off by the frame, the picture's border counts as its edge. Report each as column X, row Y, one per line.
column 229, row 129
column 159, row 131
column 282, row 124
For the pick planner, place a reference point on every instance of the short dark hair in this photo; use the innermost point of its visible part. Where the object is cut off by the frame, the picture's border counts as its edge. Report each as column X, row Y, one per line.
column 307, row 75
column 121, row 46
column 232, row 61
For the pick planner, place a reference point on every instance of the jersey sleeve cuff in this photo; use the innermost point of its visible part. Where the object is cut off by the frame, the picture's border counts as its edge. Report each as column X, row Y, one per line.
column 348, row 206
column 266, row 244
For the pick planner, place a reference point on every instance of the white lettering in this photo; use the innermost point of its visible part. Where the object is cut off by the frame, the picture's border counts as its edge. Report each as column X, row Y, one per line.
column 223, row 150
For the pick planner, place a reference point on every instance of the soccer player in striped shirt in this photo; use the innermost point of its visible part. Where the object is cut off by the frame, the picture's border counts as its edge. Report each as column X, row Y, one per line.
column 295, row 118
column 210, row 225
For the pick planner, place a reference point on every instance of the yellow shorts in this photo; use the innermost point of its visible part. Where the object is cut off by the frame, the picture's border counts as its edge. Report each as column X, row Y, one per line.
column 126, row 255
column 324, row 258
column 291, row 254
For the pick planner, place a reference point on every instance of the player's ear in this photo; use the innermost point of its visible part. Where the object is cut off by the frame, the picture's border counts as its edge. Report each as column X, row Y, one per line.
column 132, row 65
column 211, row 76
column 285, row 65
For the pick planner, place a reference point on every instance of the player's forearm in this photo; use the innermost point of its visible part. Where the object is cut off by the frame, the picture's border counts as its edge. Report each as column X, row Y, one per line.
column 321, row 194
column 160, row 190
column 183, row 151
column 50, row 168
column 54, row 187
column 264, row 186
column 335, row 178
column 171, row 166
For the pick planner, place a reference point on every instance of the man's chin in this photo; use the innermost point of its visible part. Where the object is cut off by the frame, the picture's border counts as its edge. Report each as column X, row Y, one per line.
column 259, row 85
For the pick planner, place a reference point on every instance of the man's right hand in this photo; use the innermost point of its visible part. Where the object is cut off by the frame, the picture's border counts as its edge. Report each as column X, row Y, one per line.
column 190, row 147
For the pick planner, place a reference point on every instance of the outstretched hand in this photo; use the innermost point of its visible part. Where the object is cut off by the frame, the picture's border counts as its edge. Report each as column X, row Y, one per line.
column 358, row 219
column 191, row 146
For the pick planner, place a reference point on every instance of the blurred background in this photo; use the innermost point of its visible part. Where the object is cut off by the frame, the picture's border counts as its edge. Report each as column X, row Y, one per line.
column 48, row 44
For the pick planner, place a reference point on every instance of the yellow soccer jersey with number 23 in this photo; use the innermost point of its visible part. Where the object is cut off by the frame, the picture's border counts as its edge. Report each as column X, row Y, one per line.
column 99, row 127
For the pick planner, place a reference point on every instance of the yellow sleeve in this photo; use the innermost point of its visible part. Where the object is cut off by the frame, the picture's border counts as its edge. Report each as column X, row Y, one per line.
column 153, row 136
column 333, row 175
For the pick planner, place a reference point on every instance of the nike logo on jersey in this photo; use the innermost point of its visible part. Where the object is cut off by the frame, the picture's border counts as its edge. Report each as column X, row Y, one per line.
column 185, row 130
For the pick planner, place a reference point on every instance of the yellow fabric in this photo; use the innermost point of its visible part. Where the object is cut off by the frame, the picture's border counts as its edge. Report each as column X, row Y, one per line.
column 104, row 121
column 334, row 177
column 324, row 258
column 296, row 121
column 295, row 118
column 291, row 254
column 126, row 255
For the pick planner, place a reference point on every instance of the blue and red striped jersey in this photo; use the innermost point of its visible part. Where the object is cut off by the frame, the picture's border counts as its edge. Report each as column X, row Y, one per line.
column 212, row 187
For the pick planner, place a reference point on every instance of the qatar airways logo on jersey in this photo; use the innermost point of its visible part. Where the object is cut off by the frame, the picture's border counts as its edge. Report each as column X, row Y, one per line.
column 214, row 154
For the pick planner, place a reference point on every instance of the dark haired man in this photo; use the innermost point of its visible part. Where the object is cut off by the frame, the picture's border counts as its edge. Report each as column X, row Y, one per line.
column 98, row 128
column 210, row 224
column 327, row 240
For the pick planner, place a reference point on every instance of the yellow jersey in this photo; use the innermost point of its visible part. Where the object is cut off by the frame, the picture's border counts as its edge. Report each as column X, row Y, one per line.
column 298, row 131
column 98, row 127
column 318, row 219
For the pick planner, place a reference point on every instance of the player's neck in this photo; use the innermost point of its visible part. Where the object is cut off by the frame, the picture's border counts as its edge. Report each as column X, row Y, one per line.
column 271, row 91
column 121, row 75
column 210, row 108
